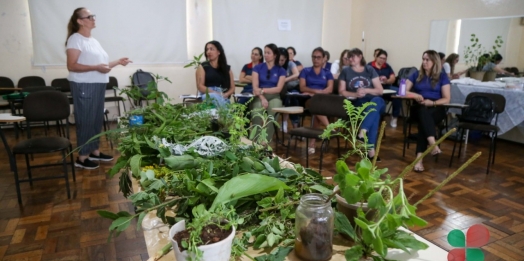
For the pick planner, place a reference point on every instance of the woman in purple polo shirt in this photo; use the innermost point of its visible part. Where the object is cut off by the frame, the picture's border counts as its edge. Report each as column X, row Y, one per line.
column 316, row 80
column 268, row 80
column 246, row 73
column 430, row 86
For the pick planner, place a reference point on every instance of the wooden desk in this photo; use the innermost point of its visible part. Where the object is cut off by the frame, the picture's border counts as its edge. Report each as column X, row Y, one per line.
column 9, row 118
column 10, row 89
column 239, row 84
column 388, row 91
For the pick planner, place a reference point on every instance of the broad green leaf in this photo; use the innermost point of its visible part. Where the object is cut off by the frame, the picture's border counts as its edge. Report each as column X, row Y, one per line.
column 375, row 200
column 354, row 253
column 363, row 173
column 280, row 196
column 140, row 218
column 276, row 231
column 271, row 239
column 275, row 163
column 265, row 202
column 342, row 225
column 121, row 223
column 392, row 243
column 156, row 185
column 352, row 180
column 258, row 242
column 351, row 195
column 230, row 155
column 120, row 163
column 409, row 241
column 342, row 167
column 150, row 174
column 135, row 163
column 322, row 189
column 123, row 214
column 107, row 214
column 378, row 246
column 417, row 221
column 246, row 185
column 361, row 224
column 210, row 183
column 268, row 167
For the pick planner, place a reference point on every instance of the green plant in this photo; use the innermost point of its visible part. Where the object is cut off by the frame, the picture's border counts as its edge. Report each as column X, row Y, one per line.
column 475, row 54
column 195, row 62
column 134, row 93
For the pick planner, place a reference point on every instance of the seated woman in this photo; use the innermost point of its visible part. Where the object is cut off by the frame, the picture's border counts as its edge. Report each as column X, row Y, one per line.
column 361, row 82
column 245, row 74
column 338, row 65
column 316, row 80
column 449, row 66
column 214, row 76
column 290, row 85
column 431, row 87
column 268, row 80
column 386, row 75
column 327, row 64
column 291, row 54
column 493, row 65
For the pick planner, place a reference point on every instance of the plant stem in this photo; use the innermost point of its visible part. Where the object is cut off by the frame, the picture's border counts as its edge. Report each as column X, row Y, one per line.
column 379, row 141
column 410, row 166
column 449, row 178
column 279, row 206
column 332, row 195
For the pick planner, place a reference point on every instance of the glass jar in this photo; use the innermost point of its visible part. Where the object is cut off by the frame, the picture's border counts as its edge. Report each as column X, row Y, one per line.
column 314, row 221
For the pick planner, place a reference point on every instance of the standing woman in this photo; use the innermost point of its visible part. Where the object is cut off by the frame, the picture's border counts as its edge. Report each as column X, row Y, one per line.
column 291, row 54
column 338, row 65
column 361, row 82
column 247, row 70
column 214, row 76
column 268, row 80
column 88, row 65
column 430, row 86
column 316, row 80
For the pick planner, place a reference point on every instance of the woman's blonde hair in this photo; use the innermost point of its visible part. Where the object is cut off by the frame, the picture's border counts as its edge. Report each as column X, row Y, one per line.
column 434, row 72
column 451, row 61
column 73, row 26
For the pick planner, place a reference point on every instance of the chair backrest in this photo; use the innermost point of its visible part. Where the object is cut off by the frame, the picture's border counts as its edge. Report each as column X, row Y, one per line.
column 62, row 83
column 482, row 107
column 31, row 81
column 336, row 82
column 113, row 82
column 6, row 82
column 142, row 79
column 32, row 89
column 404, row 73
column 328, row 105
column 46, row 106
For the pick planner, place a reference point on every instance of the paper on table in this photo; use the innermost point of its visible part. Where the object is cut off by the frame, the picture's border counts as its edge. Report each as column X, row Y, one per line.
column 189, row 96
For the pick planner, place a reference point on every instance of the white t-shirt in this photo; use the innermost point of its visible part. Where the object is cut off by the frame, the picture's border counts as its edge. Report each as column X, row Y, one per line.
column 91, row 53
column 447, row 68
column 335, row 66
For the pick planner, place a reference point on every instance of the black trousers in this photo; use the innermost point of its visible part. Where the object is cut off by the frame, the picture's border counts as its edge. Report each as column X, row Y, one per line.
column 428, row 119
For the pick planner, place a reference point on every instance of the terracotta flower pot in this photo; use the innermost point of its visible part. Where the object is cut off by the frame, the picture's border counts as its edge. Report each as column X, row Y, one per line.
column 489, row 76
column 219, row 251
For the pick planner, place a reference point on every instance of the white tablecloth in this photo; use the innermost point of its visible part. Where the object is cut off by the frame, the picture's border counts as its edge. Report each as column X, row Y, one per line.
column 513, row 114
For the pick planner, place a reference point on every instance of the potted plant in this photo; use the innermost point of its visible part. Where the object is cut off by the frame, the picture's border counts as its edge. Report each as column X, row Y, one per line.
column 208, row 237
column 477, row 56
column 371, row 207
column 491, row 75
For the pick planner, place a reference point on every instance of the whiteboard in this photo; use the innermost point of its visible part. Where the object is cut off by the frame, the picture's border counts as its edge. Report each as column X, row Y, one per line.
column 241, row 25
column 487, row 30
column 148, row 32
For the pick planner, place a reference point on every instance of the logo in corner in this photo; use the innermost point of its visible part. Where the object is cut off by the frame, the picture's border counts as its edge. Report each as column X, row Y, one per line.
column 467, row 247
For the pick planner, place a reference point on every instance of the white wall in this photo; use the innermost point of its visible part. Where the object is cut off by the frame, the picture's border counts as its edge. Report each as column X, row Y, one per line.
column 402, row 26
column 16, row 50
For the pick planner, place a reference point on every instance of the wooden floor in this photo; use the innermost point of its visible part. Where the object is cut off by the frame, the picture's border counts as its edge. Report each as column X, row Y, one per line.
column 50, row 227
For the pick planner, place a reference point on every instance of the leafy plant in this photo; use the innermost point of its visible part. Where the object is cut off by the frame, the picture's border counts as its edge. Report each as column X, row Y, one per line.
column 475, row 53
column 134, row 93
column 195, row 62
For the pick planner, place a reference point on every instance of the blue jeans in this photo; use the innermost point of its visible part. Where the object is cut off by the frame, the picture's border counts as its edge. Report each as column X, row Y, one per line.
column 372, row 121
column 396, row 103
column 216, row 98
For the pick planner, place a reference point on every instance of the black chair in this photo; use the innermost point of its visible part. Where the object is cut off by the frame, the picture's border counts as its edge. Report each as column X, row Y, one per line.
column 321, row 104
column 63, row 85
column 31, row 81
column 57, row 108
column 113, row 82
column 5, row 82
column 482, row 108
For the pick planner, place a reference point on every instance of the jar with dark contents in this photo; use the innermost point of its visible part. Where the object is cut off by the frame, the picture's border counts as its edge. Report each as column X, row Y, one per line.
column 314, row 221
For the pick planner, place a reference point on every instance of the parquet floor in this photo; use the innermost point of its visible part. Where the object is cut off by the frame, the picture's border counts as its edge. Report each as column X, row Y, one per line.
column 50, row 227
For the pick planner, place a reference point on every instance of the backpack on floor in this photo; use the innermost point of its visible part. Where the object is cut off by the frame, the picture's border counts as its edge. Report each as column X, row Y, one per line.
column 142, row 79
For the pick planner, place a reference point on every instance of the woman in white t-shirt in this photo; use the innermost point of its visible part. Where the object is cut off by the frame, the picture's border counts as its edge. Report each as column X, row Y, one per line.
column 449, row 66
column 88, row 65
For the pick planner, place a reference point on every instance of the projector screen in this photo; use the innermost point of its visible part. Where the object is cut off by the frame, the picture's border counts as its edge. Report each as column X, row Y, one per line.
column 241, row 25
column 148, row 32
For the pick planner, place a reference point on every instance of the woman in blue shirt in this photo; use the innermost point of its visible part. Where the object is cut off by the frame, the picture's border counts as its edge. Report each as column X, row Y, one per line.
column 316, row 80
column 247, row 70
column 430, row 87
column 268, row 80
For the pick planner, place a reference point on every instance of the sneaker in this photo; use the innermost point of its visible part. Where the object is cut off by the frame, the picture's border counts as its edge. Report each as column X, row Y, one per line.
column 87, row 164
column 101, row 157
column 393, row 122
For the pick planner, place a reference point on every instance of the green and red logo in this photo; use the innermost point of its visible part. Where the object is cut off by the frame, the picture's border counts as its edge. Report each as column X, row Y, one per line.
column 468, row 246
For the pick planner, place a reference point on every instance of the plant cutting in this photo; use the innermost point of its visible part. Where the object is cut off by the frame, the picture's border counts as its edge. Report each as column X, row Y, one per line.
column 380, row 203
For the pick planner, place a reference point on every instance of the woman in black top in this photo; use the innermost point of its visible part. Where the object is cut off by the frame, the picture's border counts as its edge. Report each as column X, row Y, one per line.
column 214, row 76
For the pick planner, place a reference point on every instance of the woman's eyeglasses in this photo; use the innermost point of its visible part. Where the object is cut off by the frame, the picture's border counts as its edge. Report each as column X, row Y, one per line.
column 90, row 17
column 316, row 57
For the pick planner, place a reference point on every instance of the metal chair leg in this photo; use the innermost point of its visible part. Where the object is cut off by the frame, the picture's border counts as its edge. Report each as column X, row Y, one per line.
column 64, row 164
column 28, row 169
column 307, row 153
column 288, row 145
column 321, row 156
column 453, row 151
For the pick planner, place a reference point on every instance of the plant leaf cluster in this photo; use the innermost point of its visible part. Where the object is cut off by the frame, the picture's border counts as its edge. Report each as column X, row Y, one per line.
column 475, row 54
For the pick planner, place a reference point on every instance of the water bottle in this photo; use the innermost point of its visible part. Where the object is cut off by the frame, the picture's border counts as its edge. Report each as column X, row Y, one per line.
column 402, row 88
